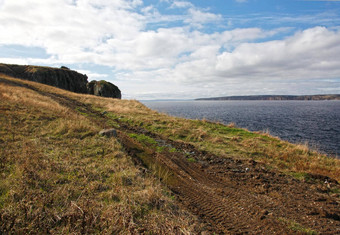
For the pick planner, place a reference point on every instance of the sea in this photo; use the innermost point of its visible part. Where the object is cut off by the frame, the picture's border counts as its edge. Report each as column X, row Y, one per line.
column 316, row 123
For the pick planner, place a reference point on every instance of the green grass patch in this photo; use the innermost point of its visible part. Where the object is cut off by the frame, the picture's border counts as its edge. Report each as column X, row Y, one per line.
column 82, row 111
column 143, row 138
column 296, row 227
column 160, row 149
column 173, row 150
column 191, row 159
column 300, row 176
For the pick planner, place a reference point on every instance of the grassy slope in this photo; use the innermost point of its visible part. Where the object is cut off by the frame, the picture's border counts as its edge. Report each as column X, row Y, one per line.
column 58, row 174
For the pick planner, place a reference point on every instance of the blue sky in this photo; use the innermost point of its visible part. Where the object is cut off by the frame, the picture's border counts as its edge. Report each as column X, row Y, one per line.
column 171, row 49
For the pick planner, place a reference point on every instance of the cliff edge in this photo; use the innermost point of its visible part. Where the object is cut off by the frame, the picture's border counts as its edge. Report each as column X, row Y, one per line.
column 63, row 78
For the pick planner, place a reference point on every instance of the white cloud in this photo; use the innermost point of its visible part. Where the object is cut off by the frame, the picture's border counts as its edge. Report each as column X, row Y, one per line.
column 105, row 32
column 48, row 23
column 296, row 65
column 181, row 4
column 93, row 76
column 198, row 17
column 312, row 53
column 180, row 60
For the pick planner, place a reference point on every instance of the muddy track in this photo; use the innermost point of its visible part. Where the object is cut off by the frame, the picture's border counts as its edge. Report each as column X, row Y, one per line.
column 229, row 195
column 239, row 196
column 223, row 207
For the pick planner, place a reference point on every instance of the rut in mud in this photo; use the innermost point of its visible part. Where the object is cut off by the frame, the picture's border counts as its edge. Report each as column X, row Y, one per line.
column 239, row 196
column 229, row 195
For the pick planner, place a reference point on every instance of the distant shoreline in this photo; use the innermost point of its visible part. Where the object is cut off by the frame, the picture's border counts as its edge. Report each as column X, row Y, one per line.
column 277, row 97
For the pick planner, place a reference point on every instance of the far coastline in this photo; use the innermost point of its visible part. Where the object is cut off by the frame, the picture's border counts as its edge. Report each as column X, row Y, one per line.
column 277, row 97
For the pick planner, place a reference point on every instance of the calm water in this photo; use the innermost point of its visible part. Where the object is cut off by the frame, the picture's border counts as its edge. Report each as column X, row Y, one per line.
column 315, row 122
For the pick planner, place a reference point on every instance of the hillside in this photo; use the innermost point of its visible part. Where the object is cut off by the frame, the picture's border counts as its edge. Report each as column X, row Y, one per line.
column 156, row 174
column 277, row 97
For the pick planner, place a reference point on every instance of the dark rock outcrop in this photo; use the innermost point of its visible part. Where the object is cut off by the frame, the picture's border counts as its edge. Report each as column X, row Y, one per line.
column 61, row 78
column 103, row 88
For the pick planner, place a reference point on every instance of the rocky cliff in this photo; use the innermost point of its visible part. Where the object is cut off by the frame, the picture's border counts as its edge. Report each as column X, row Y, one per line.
column 62, row 78
column 103, row 88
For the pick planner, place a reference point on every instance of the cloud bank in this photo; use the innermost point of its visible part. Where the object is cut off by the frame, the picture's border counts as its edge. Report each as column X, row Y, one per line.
column 157, row 55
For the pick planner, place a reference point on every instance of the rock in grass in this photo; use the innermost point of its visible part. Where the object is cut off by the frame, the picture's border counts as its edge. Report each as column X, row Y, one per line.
column 108, row 132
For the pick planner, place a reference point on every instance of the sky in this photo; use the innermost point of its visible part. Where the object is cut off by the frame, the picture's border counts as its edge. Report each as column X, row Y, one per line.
column 174, row 49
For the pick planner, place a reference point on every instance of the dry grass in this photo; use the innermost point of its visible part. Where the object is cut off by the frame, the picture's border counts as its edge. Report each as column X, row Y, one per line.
column 30, row 98
column 57, row 175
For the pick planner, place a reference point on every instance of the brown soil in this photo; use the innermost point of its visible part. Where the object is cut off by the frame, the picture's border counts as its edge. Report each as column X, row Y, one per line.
column 241, row 196
column 232, row 196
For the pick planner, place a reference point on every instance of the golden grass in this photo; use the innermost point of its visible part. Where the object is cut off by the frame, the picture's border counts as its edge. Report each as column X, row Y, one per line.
column 57, row 175
column 30, row 98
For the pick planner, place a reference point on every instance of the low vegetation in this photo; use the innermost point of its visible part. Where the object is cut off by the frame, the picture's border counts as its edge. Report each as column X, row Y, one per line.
column 58, row 175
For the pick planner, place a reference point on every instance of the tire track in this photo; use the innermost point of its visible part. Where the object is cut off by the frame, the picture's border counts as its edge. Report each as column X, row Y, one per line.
column 231, row 199
column 218, row 204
